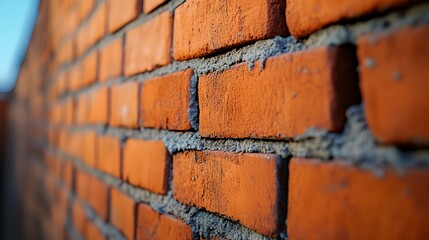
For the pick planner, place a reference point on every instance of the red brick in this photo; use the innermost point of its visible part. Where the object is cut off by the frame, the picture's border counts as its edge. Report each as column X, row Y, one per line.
column 98, row 196
column 165, row 101
column 305, row 17
column 94, row 233
column 335, row 201
column 79, row 217
column 121, row 12
column 65, row 52
column 109, row 155
column 149, row 5
column 147, row 165
column 111, row 60
column 123, row 213
column 202, row 27
column 82, row 185
column 92, row 31
column 394, row 74
column 98, row 106
column 89, row 69
column 124, row 105
column 153, row 225
column 148, row 46
column 81, row 110
column 67, row 174
column 293, row 93
column 84, row 7
column 234, row 177
column 89, row 140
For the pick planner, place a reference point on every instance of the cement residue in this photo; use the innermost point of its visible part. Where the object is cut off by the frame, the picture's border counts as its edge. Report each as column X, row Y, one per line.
column 193, row 111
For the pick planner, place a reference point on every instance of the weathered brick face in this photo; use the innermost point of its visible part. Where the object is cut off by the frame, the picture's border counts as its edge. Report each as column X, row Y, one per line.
column 214, row 119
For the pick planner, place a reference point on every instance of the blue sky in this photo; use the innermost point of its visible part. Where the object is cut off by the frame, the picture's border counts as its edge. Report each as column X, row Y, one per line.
column 16, row 23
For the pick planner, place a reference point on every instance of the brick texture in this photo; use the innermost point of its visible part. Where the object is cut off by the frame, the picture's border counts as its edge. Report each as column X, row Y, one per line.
column 121, row 12
column 305, row 17
column 148, row 46
column 123, row 213
column 202, row 27
column 149, row 5
column 166, row 100
column 111, row 60
column 334, row 201
column 153, row 225
column 98, row 106
column 146, row 164
column 303, row 93
column 109, row 155
column 124, row 105
column 234, row 177
column 394, row 83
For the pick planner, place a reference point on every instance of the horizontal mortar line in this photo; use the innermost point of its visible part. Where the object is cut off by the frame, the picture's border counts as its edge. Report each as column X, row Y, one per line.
column 157, row 202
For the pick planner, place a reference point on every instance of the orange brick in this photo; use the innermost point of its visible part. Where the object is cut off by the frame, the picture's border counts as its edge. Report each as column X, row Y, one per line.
column 65, row 53
column 147, row 165
column 394, row 74
column 98, row 106
column 124, row 105
column 123, row 213
column 84, row 7
column 67, row 174
column 109, row 155
column 94, row 233
column 89, row 69
column 79, row 217
column 148, row 46
column 202, row 27
column 293, row 93
column 82, row 185
column 305, row 17
column 165, row 101
column 92, row 31
column 98, row 196
column 111, row 60
column 153, row 225
column 121, row 12
column 355, row 204
column 234, row 176
column 81, row 109
column 149, row 5
column 89, row 150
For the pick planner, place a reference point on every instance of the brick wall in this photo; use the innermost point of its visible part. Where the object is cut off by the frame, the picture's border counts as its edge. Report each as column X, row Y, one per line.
column 211, row 119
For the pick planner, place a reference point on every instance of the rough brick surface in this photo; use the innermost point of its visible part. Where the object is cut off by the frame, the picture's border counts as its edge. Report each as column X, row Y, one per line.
column 98, row 106
column 202, row 27
column 89, row 148
column 146, row 164
column 121, row 12
column 94, row 233
column 109, row 155
column 111, row 60
column 394, row 85
column 293, row 93
column 92, row 31
column 149, row 5
column 234, row 177
column 148, row 45
column 333, row 201
column 98, row 196
column 123, row 213
column 153, row 225
column 305, row 17
column 166, row 100
column 124, row 105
